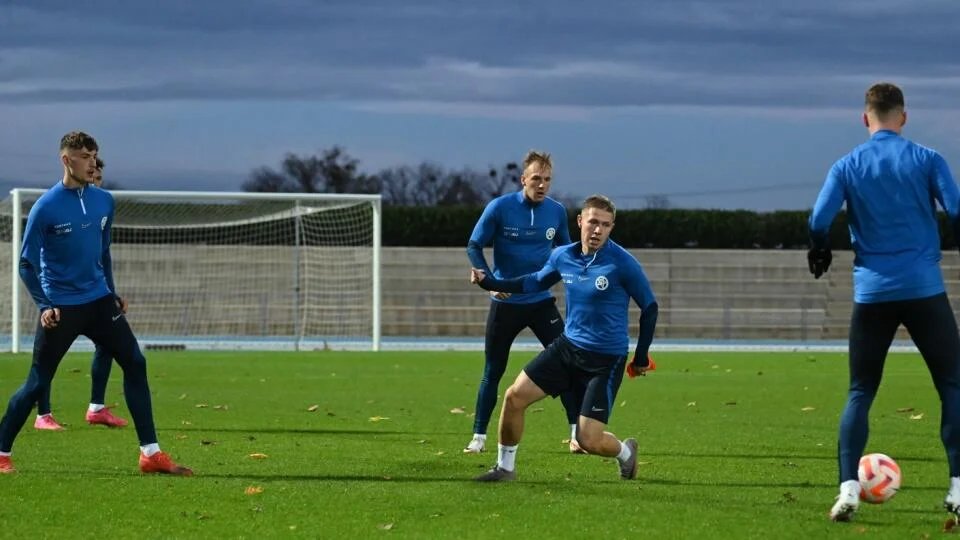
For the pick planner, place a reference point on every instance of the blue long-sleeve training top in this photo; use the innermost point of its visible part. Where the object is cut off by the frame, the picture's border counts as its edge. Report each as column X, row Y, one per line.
column 65, row 258
column 523, row 233
column 599, row 287
column 891, row 186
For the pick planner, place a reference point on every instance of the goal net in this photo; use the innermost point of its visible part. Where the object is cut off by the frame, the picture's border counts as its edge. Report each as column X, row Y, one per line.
column 228, row 270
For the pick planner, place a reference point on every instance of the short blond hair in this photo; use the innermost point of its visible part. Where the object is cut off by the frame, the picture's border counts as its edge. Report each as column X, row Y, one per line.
column 536, row 156
column 600, row 202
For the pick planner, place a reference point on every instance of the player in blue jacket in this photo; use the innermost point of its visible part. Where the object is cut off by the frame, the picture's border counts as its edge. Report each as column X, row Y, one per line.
column 97, row 411
column 600, row 279
column 65, row 264
column 891, row 186
column 523, row 227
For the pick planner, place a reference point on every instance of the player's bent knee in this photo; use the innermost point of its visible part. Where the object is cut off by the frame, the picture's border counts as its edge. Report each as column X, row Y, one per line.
column 591, row 442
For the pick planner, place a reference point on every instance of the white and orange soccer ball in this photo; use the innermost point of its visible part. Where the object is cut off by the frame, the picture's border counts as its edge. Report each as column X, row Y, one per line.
column 879, row 478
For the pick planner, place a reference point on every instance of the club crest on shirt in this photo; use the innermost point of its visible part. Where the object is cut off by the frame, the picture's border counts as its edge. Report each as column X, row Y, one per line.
column 550, row 233
column 103, row 223
column 601, row 283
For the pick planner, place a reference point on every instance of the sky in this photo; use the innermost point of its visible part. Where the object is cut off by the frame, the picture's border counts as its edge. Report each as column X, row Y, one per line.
column 709, row 103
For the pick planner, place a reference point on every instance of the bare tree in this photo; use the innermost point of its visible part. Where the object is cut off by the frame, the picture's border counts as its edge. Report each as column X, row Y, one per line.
column 657, row 202
column 333, row 171
column 504, row 180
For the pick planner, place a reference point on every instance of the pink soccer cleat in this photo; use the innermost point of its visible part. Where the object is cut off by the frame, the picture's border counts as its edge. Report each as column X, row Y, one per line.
column 105, row 418
column 47, row 422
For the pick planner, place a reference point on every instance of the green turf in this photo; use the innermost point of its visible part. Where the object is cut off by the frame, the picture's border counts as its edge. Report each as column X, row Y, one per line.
column 732, row 446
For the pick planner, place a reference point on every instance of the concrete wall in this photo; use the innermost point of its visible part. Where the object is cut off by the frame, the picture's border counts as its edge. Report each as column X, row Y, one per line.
column 251, row 291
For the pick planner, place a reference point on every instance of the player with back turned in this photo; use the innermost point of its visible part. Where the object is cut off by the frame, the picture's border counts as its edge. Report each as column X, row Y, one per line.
column 891, row 186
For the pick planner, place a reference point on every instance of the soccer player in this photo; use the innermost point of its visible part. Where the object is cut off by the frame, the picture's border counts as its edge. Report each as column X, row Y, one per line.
column 97, row 412
column 523, row 227
column 891, row 186
column 65, row 264
column 600, row 279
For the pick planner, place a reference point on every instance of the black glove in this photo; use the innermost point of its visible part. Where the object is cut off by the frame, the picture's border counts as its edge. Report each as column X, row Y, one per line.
column 819, row 260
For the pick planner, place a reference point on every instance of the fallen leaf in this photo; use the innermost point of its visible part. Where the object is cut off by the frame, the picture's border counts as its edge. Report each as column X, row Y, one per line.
column 378, row 418
column 183, row 396
column 221, row 407
column 905, row 409
column 538, row 409
column 808, row 408
column 422, row 441
column 916, row 416
column 253, row 490
column 692, row 404
column 440, row 453
column 385, row 526
column 313, row 408
column 201, row 405
column 206, row 442
column 258, row 455
column 457, row 410
column 730, row 403
column 330, row 413
column 186, row 423
column 623, row 403
column 387, row 477
column 75, row 370
column 179, row 437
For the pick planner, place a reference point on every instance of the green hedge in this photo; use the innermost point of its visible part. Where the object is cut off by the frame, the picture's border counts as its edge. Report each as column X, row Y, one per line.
column 708, row 229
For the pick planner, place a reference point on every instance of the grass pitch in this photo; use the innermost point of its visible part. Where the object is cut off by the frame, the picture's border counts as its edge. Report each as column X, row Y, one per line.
column 364, row 445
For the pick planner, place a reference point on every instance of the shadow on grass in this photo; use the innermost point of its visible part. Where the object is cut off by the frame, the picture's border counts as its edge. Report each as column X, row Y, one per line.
column 826, row 457
column 301, row 431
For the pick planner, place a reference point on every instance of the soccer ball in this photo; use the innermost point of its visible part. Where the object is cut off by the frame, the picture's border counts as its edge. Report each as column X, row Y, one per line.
column 879, row 478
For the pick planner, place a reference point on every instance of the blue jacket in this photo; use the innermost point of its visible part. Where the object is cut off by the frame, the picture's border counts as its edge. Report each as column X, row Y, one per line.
column 65, row 258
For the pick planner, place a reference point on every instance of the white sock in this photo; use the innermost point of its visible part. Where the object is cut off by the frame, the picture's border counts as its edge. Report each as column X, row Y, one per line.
column 150, row 449
column 624, row 454
column 850, row 486
column 42, row 415
column 4, row 454
column 506, row 457
column 573, row 432
column 95, row 407
column 480, row 436
column 954, row 483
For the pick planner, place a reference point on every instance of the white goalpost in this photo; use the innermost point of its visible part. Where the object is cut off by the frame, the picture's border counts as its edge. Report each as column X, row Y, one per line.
column 212, row 270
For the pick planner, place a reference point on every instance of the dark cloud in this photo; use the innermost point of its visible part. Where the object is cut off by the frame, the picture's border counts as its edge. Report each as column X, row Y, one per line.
column 818, row 53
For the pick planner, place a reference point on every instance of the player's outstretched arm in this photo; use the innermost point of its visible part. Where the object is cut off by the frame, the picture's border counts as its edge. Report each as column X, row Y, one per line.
column 538, row 281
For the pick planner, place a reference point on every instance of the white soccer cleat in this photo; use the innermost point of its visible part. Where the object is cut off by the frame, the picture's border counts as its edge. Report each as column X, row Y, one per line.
column 476, row 445
column 952, row 501
column 847, row 501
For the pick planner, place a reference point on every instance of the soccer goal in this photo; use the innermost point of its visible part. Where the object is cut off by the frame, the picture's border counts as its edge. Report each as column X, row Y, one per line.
column 211, row 270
